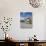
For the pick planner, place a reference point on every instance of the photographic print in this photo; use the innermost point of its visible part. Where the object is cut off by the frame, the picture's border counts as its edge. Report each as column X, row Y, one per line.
column 26, row 19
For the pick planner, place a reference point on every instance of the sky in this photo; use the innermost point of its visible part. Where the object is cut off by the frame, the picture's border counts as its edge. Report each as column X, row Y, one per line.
column 25, row 14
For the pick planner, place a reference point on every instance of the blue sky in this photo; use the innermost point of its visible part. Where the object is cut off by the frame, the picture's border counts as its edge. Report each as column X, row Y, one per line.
column 25, row 14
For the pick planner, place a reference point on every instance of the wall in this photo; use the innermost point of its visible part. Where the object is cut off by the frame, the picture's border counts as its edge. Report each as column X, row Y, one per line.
column 45, row 28
column 12, row 8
